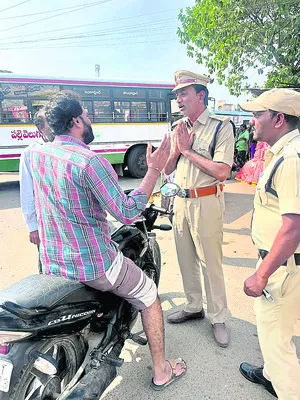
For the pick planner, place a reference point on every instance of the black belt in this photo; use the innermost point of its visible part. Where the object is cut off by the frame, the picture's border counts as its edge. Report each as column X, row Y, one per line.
column 264, row 253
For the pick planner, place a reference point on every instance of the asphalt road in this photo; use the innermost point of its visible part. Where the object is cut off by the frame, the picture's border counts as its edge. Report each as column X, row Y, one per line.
column 213, row 373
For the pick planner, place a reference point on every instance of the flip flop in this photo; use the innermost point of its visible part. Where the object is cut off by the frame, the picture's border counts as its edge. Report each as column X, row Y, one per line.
column 173, row 377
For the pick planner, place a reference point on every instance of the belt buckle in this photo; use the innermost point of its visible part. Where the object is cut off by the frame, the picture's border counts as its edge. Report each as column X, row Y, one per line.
column 182, row 193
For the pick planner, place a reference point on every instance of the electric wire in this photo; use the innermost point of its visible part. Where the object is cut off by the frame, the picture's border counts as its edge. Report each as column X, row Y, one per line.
column 106, row 32
column 99, row 45
column 54, row 16
column 95, row 23
column 42, row 12
column 88, row 43
column 16, row 5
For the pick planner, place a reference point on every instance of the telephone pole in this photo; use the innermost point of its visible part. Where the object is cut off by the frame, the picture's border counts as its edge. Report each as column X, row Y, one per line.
column 97, row 70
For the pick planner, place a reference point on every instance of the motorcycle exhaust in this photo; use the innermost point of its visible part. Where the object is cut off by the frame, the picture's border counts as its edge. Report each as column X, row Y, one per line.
column 93, row 384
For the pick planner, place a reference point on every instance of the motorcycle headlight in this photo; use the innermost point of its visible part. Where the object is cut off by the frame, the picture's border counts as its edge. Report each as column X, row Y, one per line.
column 9, row 336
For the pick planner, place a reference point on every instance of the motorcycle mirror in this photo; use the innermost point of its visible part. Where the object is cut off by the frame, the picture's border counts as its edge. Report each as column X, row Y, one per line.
column 169, row 189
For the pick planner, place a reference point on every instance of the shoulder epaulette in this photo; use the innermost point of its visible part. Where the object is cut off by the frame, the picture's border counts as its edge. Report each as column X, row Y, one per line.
column 223, row 118
column 185, row 119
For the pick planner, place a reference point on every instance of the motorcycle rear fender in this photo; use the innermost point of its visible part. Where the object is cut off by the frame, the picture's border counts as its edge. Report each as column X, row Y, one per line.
column 65, row 319
column 19, row 355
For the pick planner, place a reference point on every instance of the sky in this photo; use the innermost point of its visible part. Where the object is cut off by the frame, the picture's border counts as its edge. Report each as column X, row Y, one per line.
column 130, row 40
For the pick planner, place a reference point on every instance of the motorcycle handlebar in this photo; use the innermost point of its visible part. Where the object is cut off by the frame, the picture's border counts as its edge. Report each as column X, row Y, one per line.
column 153, row 207
column 160, row 210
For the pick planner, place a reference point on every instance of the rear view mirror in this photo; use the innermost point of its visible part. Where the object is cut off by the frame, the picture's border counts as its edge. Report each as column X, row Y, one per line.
column 169, row 189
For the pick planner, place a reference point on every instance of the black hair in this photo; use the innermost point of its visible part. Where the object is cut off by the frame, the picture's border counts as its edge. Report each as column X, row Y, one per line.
column 60, row 111
column 292, row 121
column 200, row 88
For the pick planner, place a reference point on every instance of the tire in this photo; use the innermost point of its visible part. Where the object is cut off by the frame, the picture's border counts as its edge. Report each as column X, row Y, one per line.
column 152, row 269
column 157, row 262
column 136, row 162
column 68, row 351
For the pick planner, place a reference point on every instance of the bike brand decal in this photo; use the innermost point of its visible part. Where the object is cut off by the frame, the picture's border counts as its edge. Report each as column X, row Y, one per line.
column 70, row 317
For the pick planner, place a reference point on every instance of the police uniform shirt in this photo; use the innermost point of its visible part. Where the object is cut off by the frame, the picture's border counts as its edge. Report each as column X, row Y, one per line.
column 268, row 209
column 187, row 174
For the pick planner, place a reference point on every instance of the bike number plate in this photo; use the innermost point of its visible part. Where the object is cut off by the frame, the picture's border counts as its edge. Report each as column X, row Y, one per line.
column 6, row 368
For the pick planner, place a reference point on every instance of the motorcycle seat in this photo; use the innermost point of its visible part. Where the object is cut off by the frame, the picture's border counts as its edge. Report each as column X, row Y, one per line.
column 47, row 291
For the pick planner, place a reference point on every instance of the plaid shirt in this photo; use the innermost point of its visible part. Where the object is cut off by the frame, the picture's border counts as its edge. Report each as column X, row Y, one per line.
column 74, row 187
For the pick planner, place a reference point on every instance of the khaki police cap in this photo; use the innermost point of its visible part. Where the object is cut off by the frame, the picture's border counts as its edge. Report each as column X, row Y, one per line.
column 286, row 101
column 186, row 78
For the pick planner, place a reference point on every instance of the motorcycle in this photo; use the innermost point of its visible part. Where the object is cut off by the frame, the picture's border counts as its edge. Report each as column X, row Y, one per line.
column 46, row 323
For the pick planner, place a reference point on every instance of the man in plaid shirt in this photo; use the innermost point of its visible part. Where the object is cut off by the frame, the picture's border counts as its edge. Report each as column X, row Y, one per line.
column 75, row 188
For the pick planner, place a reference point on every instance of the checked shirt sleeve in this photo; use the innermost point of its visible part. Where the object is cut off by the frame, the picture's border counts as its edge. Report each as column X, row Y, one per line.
column 103, row 182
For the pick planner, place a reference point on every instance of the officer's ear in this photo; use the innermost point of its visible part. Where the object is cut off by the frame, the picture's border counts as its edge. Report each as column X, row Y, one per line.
column 279, row 120
column 201, row 95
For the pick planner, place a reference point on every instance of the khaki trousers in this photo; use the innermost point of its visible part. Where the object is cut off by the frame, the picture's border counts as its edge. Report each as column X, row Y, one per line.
column 198, row 232
column 275, row 325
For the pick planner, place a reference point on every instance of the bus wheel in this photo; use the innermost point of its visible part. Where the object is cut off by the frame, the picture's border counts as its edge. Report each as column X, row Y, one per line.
column 136, row 162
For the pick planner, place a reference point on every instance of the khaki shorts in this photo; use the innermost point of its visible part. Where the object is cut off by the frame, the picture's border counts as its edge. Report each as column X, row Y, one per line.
column 127, row 280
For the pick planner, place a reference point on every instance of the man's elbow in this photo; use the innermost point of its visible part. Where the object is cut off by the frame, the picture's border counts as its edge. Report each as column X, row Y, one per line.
column 129, row 220
column 222, row 178
column 223, row 174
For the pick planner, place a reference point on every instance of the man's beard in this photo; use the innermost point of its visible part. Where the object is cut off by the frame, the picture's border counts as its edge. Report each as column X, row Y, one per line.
column 88, row 134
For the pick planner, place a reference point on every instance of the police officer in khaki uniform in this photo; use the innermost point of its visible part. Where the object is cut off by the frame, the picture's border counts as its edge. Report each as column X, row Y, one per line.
column 276, row 233
column 201, row 165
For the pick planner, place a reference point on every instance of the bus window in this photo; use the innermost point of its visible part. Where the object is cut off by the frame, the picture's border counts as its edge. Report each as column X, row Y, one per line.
column 158, row 111
column 157, row 94
column 14, row 111
column 153, row 111
column 102, row 111
column 161, row 109
column 88, row 107
column 121, row 111
column 138, row 112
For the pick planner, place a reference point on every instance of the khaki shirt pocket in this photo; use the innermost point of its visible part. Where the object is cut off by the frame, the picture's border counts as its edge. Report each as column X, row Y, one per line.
column 202, row 148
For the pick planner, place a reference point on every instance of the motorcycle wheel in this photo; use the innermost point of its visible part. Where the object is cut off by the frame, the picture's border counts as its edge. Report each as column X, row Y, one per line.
column 153, row 269
column 69, row 352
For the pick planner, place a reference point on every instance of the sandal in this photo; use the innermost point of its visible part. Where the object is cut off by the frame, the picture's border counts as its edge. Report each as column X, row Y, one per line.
column 173, row 377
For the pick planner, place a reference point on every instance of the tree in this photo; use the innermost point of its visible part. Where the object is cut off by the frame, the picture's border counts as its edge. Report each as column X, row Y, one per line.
column 233, row 38
column 5, row 71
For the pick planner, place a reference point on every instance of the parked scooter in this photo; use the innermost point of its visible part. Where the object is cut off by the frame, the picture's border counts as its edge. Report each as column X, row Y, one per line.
column 46, row 323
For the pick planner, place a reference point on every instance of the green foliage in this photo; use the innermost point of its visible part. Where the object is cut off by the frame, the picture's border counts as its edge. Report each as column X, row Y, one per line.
column 235, row 38
column 5, row 71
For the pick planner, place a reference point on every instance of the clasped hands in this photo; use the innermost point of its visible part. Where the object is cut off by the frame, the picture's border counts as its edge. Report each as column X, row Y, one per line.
column 183, row 138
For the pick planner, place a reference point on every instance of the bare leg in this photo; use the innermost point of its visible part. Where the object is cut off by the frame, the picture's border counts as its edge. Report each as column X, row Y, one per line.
column 153, row 324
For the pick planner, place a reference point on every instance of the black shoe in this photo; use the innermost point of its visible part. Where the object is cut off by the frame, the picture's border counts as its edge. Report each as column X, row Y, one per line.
column 255, row 375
